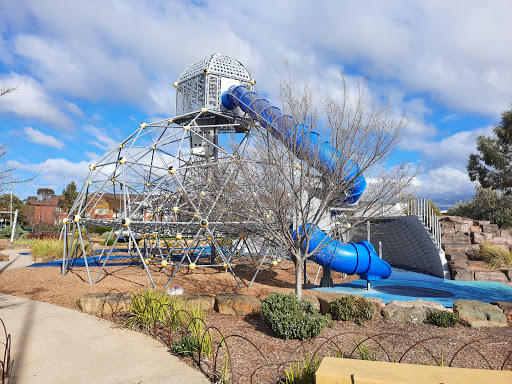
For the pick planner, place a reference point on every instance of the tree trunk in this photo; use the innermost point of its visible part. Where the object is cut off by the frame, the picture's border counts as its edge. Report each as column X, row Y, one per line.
column 298, row 277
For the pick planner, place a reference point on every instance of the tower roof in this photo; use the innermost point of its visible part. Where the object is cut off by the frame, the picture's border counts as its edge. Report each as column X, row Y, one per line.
column 216, row 64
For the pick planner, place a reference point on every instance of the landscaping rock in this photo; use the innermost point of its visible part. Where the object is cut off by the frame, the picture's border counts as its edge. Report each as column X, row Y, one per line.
column 236, row 304
column 4, row 257
column 497, row 276
column 449, row 248
column 475, row 229
column 481, row 222
column 456, row 256
column 477, row 314
column 414, row 311
column 460, row 274
column 501, row 240
column 103, row 303
column 324, row 299
column 457, row 238
column 451, row 219
column 506, row 307
column 194, row 300
column 313, row 299
column 480, row 238
column 506, row 233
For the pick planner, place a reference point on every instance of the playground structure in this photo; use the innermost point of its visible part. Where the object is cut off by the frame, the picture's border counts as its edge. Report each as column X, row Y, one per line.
column 169, row 181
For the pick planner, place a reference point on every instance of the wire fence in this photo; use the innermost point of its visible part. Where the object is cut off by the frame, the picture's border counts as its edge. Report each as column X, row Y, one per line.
column 236, row 358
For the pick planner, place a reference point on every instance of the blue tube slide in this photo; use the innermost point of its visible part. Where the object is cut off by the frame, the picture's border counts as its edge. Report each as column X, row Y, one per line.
column 305, row 142
column 348, row 258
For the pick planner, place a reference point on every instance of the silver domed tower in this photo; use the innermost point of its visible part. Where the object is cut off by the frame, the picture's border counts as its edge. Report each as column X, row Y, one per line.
column 202, row 84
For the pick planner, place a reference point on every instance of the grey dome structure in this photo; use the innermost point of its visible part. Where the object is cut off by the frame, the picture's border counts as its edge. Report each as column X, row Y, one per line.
column 202, row 83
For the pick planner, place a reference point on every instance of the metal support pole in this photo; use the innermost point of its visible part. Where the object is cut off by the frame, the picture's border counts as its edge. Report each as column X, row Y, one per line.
column 380, row 249
column 368, row 226
column 14, row 225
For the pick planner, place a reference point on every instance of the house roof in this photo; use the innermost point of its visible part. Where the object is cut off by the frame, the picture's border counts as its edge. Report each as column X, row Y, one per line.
column 49, row 202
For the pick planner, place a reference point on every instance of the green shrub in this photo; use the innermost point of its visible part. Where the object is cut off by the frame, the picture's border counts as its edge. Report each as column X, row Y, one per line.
column 349, row 308
column 497, row 256
column 291, row 317
column 100, row 230
column 5, row 233
column 443, row 319
column 486, row 205
column 186, row 345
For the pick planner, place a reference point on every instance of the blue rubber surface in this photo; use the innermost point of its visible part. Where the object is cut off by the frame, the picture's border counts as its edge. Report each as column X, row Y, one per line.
column 412, row 286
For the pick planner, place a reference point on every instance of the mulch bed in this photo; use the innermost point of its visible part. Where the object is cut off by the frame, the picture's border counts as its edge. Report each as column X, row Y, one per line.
column 256, row 354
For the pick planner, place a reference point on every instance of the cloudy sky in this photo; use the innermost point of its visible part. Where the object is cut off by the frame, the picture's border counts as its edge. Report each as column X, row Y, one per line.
column 88, row 72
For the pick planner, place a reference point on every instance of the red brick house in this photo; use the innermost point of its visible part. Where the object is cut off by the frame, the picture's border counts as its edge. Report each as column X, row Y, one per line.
column 47, row 211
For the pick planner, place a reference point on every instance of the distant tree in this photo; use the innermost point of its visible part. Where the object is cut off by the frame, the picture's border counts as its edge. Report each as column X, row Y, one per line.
column 30, row 200
column 492, row 166
column 70, row 193
column 44, row 193
column 5, row 202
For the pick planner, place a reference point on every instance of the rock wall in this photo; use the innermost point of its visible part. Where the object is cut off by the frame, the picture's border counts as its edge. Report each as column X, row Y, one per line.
column 461, row 239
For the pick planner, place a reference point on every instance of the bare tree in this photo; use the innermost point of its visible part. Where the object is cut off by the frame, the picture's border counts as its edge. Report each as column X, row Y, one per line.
column 10, row 174
column 299, row 165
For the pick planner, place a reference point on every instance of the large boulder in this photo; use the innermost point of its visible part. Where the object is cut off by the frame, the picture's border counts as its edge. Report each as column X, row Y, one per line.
column 190, row 301
column 414, row 311
column 236, row 304
column 103, row 303
column 506, row 307
column 478, row 314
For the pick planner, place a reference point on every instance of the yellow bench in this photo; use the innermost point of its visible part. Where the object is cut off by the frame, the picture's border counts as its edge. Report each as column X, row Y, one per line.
column 349, row 371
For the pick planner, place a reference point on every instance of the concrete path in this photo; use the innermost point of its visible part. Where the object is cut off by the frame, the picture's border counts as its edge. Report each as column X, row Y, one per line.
column 16, row 259
column 52, row 344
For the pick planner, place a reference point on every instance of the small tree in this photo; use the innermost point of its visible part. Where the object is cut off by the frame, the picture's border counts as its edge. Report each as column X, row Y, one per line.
column 492, row 166
column 284, row 186
column 45, row 193
column 70, row 195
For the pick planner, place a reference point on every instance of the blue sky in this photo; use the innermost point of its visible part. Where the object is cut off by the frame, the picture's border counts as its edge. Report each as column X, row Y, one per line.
column 90, row 71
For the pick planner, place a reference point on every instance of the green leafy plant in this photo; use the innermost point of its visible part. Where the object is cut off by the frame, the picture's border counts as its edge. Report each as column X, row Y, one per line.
column 349, row 308
column 301, row 372
column 291, row 317
column 486, row 205
column 443, row 319
column 497, row 256
column 6, row 232
column 186, row 345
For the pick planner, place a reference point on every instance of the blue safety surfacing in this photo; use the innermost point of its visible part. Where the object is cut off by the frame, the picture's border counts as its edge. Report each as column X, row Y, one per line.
column 412, row 286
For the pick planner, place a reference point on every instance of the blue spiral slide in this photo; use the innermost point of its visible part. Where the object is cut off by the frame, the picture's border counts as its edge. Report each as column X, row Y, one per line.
column 349, row 258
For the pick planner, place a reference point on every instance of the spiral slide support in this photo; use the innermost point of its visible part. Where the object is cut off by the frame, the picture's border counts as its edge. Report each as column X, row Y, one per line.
column 349, row 258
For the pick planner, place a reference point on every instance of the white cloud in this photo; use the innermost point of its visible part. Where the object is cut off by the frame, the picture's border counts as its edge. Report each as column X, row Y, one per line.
column 39, row 137
column 31, row 102
column 453, row 150
column 56, row 172
column 445, row 184
column 101, row 139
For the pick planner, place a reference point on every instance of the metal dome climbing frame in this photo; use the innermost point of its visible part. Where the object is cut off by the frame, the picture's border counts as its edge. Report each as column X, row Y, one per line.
column 166, row 182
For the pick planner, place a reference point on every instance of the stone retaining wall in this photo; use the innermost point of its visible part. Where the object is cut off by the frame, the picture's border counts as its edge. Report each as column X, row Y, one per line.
column 461, row 239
